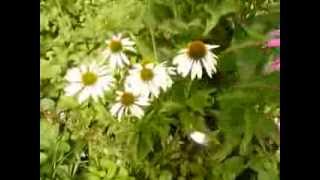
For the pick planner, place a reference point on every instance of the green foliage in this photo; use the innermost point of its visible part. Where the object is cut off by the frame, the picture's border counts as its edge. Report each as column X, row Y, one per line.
column 236, row 108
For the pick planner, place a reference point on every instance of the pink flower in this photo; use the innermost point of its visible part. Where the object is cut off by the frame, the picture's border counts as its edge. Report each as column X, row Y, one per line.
column 273, row 43
column 274, row 39
column 275, row 66
column 275, row 33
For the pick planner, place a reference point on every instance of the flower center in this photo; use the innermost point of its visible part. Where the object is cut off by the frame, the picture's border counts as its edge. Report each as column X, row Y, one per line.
column 115, row 46
column 89, row 78
column 127, row 99
column 146, row 74
column 197, row 50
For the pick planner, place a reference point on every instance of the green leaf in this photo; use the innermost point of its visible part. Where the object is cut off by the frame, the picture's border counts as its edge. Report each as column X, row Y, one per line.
column 47, row 104
column 171, row 107
column 48, row 70
column 67, row 102
column 218, row 10
column 165, row 175
column 48, row 134
column 145, row 144
column 43, row 157
column 250, row 121
column 232, row 167
column 200, row 99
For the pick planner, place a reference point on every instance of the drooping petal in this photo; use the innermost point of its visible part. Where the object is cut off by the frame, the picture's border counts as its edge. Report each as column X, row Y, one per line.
column 136, row 111
column 73, row 88
column 73, row 75
column 84, row 94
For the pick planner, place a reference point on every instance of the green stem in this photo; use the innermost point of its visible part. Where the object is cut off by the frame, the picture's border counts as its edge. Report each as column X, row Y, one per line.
column 153, row 43
column 189, row 85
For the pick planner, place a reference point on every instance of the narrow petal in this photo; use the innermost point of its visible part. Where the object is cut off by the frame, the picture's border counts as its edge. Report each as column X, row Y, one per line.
column 73, row 89
column 185, row 67
column 84, row 94
column 137, row 111
column 127, row 42
column 121, row 112
column 115, row 108
column 207, row 67
column 73, row 75
column 124, row 58
column 209, row 47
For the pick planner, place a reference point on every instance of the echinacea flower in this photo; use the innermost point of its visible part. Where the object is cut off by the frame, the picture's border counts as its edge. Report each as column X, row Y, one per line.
column 149, row 78
column 115, row 51
column 274, row 41
column 129, row 103
column 197, row 56
column 275, row 65
column 87, row 81
column 199, row 137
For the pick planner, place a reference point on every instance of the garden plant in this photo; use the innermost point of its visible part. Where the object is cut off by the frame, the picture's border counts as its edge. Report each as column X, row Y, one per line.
column 159, row 89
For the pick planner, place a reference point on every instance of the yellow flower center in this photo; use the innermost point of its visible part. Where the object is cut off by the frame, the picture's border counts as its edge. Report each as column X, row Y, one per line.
column 89, row 78
column 115, row 46
column 146, row 74
column 127, row 99
column 197, row 50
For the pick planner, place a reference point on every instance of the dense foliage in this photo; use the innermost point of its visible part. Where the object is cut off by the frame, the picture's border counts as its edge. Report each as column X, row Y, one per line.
column 235, row 109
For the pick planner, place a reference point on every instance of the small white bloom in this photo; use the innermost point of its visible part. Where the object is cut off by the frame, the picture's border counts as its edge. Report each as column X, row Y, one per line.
column 115, row 51
column 197, row 56
column 129, row 104
column 88, row 81
column 199, row 137
column 277, row 122
column 149, row 79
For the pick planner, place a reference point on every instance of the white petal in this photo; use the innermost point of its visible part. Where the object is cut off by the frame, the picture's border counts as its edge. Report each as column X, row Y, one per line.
column 121, row 112
column 124, row 58
column 84, row 94
column 154, row 89
column 137, row 111
column 198, row 137
column 73, row 88
column 178, row 59
column 208, row 66
column 83, row 69
column 184, row 67
column 74, row 75
column 130, row 48
column 115, row 108
column 195, row 69
column 93, row 67
column 198, row 68
column 142, row 101
column 127, row 42
column 209, row 47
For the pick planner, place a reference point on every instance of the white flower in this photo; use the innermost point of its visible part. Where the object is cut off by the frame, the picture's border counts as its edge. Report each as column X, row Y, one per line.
column 199, row 137
column 194, row 58
column 115, row 51
column 129, row 103
column 88, row 81
column 277, row 122
column 149, row 79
